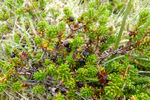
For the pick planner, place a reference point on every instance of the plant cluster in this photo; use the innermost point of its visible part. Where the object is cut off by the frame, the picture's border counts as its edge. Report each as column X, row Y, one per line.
column 76, row 58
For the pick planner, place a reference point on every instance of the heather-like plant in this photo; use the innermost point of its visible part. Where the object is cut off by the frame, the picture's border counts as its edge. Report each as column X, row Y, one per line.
column 63, row 53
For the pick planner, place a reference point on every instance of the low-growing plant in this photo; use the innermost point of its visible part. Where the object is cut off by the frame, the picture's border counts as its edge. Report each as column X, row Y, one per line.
column 54, row 53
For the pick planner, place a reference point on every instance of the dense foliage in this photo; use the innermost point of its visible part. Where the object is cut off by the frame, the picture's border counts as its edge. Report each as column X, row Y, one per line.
column 54, row 53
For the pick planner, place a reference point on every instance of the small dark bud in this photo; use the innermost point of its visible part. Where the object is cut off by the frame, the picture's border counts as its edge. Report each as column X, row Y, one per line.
column 68, row 50
column 80, row 84
column 86, row 53
column 12, row 55
column 71, row 19
column 104, row 78
column 130, row 34
column 81, row 60
column 66, row 44
column 42, row 8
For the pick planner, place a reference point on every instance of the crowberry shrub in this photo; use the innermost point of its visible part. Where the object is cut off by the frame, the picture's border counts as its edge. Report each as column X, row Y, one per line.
column 75, row 51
